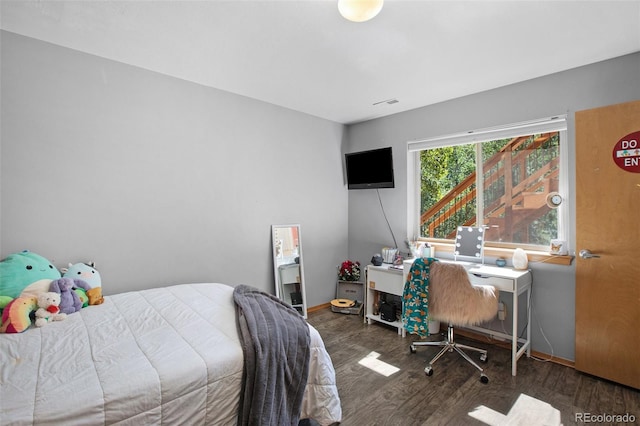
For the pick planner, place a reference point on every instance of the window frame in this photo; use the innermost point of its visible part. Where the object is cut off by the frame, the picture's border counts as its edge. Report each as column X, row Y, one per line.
column 536, row 253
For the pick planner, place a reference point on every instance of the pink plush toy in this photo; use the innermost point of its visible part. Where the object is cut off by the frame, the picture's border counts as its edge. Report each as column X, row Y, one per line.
column 69, row 300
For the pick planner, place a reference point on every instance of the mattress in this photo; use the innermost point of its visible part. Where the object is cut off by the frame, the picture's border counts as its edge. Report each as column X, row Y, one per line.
column 168, row 355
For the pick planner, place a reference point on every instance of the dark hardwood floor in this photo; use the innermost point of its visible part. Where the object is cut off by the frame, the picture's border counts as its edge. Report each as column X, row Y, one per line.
column 409, row 397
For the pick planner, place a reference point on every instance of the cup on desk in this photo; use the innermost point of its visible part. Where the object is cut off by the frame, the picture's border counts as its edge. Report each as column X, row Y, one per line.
column 389, row 254
column 432, row 251
column 428, row 251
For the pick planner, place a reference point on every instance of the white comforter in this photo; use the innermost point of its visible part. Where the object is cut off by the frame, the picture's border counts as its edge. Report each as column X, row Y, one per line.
column 161, row 356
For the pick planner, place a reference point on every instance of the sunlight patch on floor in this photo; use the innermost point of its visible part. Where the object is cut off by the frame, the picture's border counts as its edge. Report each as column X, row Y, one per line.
column 372, row 362
column 526, row 411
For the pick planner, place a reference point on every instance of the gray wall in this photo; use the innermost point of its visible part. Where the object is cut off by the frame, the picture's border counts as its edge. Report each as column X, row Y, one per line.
column 158, row 180
column 162, row 181
column 600, row 84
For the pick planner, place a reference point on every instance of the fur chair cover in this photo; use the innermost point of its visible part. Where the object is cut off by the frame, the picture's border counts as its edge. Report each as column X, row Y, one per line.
column 452, row 298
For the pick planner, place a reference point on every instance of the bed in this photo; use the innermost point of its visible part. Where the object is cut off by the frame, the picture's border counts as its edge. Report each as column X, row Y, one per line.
column 170, row 355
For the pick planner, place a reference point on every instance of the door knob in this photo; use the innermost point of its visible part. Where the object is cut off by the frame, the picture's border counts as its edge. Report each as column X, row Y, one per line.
column 586, row 254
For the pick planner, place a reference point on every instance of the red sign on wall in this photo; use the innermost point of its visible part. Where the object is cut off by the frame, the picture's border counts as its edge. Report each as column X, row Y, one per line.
column 626, row 153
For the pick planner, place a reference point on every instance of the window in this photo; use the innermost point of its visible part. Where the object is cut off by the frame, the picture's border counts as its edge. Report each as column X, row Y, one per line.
column 497, row 178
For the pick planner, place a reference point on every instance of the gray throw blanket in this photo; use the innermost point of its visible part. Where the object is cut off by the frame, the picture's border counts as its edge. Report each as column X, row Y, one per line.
column 275, row 341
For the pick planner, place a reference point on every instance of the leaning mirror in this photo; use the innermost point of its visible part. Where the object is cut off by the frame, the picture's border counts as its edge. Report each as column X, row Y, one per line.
column 469, row 243
column 288, row 267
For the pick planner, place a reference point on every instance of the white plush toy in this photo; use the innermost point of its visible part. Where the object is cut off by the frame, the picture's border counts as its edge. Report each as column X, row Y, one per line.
column 48, row 308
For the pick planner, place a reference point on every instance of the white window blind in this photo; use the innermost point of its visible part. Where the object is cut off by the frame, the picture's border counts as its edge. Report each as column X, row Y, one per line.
column 552, row 124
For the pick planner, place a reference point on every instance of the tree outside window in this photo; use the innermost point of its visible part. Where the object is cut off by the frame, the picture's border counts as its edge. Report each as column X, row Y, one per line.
column 515, row 175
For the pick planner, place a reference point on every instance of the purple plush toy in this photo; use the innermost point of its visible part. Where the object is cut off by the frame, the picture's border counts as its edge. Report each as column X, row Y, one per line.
column 69, row 300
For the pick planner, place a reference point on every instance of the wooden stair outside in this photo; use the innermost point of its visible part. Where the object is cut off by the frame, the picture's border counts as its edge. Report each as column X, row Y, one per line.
column 526, row 202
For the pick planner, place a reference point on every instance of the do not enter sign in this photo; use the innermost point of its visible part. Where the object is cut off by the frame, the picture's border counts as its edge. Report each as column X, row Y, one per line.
column 626, row 153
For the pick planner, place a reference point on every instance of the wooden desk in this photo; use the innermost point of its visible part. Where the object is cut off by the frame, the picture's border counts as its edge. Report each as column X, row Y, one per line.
column 388, row 280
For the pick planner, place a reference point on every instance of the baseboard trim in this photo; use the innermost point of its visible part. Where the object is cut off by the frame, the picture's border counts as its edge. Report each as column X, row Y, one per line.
column 483, row 338
column 507, row 345
column 319, row 307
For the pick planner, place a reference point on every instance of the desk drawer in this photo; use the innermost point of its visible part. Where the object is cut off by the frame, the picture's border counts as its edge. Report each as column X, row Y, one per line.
column 386, row 281
column 500, row 283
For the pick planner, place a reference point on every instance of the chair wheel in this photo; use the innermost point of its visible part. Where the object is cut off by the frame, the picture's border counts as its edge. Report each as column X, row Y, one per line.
column 484, row 357
column 484, row 379
column 412, row 349
column 428, row 371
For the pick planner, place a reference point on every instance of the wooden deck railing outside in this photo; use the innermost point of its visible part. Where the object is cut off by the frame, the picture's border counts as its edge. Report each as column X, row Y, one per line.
column 512, row 200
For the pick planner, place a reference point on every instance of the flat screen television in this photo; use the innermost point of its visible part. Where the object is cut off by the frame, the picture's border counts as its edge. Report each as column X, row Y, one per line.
column 370, row 169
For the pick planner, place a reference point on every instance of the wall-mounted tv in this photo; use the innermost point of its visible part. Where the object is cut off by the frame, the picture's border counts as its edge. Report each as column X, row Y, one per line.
column 370, row 169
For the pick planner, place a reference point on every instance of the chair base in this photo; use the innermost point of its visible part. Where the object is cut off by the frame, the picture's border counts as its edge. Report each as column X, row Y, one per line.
column 450, row 345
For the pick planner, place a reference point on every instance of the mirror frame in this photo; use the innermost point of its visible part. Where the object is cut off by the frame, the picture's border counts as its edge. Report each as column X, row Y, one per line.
column 278, row 261
column 469, row 243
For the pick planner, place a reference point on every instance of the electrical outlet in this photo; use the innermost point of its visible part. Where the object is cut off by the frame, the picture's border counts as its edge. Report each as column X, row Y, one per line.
column 502, row 311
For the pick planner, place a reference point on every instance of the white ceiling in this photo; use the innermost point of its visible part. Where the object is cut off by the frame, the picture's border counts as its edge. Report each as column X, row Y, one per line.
column 304, row 56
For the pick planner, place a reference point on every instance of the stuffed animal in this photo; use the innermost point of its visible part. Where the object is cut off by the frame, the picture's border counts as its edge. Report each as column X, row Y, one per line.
column 48, row 309
column 69, row 300
column 16, row 315
column 25, row 273
column 87, row 273
column 23, row 276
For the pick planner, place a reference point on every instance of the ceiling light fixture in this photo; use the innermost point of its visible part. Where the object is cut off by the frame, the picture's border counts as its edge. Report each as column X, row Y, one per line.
column 359, row 10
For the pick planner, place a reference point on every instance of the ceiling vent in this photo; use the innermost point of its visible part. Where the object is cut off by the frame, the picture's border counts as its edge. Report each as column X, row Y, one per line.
column 388, row 101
